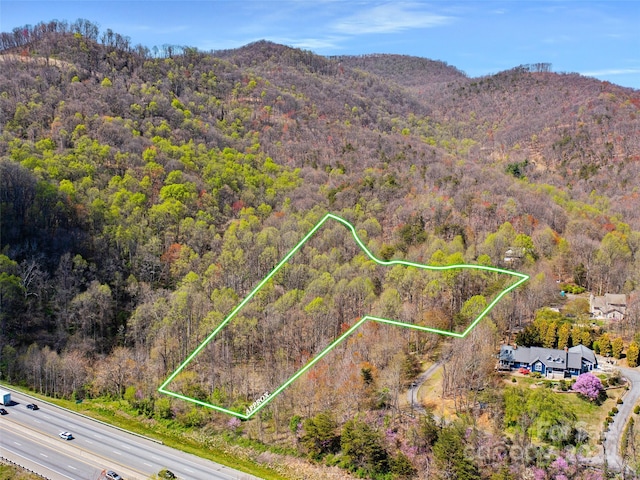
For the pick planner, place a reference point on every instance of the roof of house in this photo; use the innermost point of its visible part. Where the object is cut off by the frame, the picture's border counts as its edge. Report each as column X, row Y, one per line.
column 585, row 353
column 552, row 358
column 517, row 252
column 616, row 299
column 609, row 302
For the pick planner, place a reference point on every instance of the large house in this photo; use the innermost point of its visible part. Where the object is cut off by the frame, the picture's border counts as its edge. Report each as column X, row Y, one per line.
column 548, row 361
column 609, row 306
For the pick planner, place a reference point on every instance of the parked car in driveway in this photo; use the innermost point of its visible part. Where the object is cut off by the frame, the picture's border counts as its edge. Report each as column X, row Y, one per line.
column 65, row 435
column 32, row 406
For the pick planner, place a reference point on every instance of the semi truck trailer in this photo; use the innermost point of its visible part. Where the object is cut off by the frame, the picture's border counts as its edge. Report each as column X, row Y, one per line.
column 5, row 397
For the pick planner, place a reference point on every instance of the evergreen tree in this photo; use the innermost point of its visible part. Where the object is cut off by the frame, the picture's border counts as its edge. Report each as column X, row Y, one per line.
column 529, row 337
column 503, row 474
column 450, row 460
column 320, row 435
column 605, row 345
column 617, row 345
column 410, row 366
column 429, row 430
column 564, row 335
column 550, row 336
column 401, row 466
column 632, row 354
column 363, row 447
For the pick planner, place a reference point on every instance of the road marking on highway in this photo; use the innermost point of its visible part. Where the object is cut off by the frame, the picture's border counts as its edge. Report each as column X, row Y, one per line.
column 44, row 438
column 154, row 457
column 148, row 464
column 47, row 417
column 72, row 467
column 89, row 441
column 37, row 421
column 19, row 444
column 45, row 456
column 30, row 459
column 97, row 436
column 188, row 470
column 124, row 446
column 117, row 452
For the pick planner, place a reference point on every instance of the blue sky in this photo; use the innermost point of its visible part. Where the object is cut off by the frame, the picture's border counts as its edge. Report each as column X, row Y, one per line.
column 595, row 38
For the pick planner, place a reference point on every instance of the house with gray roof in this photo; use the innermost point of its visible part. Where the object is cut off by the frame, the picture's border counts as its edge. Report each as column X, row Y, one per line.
column 610, row 305
column 548, row 361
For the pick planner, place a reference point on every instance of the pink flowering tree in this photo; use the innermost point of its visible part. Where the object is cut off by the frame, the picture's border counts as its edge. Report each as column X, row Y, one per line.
column 589, row 385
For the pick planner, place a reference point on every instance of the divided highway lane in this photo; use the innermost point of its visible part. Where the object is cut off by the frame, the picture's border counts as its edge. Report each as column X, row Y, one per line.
column 129, row 455
column 24, row 448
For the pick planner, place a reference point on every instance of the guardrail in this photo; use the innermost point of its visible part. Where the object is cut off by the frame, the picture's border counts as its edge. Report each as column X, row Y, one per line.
column 6, row 461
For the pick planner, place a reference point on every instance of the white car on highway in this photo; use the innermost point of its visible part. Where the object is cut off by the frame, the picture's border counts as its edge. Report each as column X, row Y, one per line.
column 65, row 435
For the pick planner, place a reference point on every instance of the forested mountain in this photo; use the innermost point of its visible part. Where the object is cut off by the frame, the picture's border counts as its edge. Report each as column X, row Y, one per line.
column 144, row 193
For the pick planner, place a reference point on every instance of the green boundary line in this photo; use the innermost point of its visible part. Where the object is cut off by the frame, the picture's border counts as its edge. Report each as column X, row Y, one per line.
column 521, row 276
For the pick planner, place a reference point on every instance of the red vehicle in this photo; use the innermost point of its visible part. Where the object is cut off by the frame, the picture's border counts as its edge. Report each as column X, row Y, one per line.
column 524, row 371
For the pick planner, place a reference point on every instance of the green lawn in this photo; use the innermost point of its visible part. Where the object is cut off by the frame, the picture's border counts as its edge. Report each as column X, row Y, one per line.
column 588, row 412
column 9, row 472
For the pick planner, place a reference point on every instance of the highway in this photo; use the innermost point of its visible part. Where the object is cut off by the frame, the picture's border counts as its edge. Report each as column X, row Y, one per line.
column 19, row 446
column 31, row 437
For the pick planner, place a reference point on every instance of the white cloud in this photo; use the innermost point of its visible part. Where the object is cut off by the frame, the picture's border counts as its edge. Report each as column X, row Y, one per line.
column 390, row 18
column 611, row 71
column 315, row 44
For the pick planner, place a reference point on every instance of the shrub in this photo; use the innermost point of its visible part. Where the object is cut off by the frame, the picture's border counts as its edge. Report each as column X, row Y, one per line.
column 615, row 379
column 513, row 380
column 570, row 288
column 636, row 409
column 162, row 409
column 194, row 417
column 619, row 401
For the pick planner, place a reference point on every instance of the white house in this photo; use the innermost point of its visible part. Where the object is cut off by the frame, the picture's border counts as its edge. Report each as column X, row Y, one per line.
column 610, row 306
